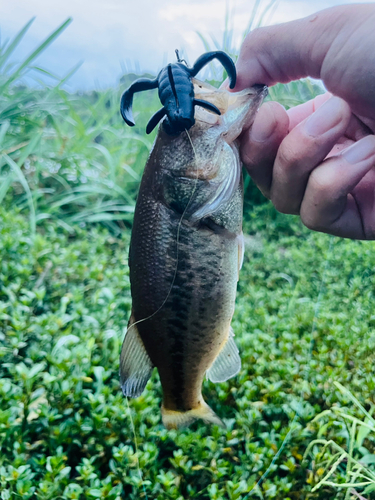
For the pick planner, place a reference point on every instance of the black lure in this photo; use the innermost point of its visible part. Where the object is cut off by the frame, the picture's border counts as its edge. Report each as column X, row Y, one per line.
column 176, row 93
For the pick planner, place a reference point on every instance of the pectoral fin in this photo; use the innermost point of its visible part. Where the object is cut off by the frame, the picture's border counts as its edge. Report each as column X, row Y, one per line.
column 228, row 362
column 135, row 364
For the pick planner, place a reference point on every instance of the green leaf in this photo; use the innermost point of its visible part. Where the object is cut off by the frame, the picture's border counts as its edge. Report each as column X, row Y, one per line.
column 5, row 54
column 26, row 63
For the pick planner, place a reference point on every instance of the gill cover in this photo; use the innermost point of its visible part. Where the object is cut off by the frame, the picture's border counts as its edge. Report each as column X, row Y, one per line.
column 235, row 109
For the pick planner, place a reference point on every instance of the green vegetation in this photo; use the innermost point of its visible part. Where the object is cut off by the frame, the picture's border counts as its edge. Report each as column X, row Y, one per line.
column 299, row 415
column 72, row 156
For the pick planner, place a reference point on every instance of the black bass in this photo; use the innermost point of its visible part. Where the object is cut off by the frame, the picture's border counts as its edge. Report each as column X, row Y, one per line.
column 185, row 255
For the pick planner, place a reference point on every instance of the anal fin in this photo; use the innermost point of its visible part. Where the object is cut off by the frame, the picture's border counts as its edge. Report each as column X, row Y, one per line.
column 135, row 363
column 228, row 362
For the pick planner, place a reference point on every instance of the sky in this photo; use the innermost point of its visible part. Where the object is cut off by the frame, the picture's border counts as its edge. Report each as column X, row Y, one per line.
column 111, row 37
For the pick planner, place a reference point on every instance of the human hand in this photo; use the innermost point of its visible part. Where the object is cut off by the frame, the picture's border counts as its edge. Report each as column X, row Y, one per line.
column 300, row 158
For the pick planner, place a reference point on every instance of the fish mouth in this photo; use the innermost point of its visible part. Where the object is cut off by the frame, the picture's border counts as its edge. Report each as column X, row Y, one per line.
column 262, row 91
column 258, row 90
column 261, row 87
column 225, row 100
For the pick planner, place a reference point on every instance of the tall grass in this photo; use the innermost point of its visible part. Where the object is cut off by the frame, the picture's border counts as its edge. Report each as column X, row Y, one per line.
column 260, row 15
column 66, row 157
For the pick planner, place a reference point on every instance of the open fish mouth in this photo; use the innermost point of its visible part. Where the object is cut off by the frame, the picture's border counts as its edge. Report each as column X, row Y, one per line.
column 226, row 101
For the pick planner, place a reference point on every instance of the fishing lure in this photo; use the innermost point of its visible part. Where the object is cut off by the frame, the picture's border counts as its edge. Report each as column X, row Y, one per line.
column 176, row 93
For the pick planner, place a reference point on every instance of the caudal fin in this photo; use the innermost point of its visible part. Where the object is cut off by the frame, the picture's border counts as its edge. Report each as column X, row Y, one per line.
column 176, row 419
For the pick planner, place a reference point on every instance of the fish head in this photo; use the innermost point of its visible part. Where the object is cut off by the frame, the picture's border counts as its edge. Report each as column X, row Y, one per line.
column 206, row 155
column 217, row 146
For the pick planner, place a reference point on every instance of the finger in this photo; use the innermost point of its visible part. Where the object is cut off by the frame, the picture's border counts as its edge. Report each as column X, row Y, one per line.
column 288, row 51
column 356, row 128
column 259, row 145
column 327, row 45
column 328, row 205
column 305, row 147
column 303, row 111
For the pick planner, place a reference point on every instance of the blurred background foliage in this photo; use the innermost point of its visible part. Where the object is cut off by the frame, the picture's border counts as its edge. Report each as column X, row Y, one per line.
column 69, row 157
column 69, row 176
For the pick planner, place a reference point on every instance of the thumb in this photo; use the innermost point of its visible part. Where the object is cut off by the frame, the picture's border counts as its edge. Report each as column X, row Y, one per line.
column 292, row 50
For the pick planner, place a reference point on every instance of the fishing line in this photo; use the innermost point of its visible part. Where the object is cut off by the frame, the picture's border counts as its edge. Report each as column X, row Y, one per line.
column 177, row 239
column 136, row 449
column 166, row 298
column 307, row 376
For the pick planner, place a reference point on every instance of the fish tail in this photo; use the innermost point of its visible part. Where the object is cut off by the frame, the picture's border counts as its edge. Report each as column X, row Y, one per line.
column 175, row 419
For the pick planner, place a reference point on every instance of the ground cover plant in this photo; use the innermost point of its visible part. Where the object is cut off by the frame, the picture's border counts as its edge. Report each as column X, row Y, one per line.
column 299, row 415
column 65, row 429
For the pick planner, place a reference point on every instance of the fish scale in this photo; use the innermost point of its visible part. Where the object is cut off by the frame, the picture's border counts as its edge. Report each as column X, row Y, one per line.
column 185, row 255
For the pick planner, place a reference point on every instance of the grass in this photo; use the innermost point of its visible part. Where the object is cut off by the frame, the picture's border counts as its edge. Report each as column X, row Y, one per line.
column 299, row 414
column 354, row 472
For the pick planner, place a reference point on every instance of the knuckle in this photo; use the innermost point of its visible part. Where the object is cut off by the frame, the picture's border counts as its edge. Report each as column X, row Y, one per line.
column 288, row 158
column 298, row 152
column 319, row 183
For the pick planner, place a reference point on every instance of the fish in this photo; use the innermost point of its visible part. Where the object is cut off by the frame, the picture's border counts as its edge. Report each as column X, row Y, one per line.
column 185, row 255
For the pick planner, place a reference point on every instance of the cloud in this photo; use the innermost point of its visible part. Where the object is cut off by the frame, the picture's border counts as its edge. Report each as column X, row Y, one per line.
column 133, row 34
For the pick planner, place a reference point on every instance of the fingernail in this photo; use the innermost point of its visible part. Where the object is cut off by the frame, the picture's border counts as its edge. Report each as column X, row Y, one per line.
column 264, row 127
column 325, row 117
column 361, row 150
